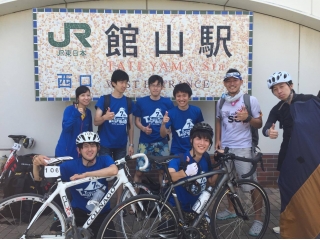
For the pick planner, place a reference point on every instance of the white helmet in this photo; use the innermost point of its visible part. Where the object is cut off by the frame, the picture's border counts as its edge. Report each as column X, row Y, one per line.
column 28, row 143
column 88, row 137
column 278, row 77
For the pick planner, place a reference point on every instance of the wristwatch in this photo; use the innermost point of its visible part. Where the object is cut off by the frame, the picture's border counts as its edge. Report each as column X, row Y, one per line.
column 131, row 145
column 248, row 119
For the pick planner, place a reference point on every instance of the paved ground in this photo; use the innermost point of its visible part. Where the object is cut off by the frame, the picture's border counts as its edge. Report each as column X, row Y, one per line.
column 274, row 198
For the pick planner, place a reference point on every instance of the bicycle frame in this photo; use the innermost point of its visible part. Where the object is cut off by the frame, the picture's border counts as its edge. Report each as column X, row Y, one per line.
column 217, row 188
column 61, row 190
column 15, row 148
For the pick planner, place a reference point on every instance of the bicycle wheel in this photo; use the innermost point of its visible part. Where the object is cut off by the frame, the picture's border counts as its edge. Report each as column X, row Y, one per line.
column 142, row 189
column 256, row 208
column 17, row 211
column 145, row 222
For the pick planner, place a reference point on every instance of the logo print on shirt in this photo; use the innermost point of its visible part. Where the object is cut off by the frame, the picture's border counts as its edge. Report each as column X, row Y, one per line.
column 155, row 118
column 185, row 131
column 90, row 189
column 120, row 118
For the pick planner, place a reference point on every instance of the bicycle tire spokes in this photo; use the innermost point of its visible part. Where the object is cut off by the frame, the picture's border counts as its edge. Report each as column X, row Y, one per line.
column 149, row 222
column 251, row 207
column 17, row 212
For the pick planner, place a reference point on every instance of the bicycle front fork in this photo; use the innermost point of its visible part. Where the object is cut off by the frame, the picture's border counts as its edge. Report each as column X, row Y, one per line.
column 234, row 198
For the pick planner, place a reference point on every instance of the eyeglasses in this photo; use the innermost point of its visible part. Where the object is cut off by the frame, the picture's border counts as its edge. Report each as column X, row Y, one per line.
column 233, row 74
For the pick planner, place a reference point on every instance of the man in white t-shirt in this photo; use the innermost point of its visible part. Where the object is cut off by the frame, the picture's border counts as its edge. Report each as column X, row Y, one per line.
column 233, row 131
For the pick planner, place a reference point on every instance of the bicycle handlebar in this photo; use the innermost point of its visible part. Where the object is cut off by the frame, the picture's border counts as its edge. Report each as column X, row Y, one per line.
column 230, row 156
column 58, row 160
column 128, row 158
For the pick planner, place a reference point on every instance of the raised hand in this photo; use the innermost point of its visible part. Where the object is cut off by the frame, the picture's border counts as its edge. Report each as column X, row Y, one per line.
column 147, row 130
column 192, row 169
column 165, row 118
column 273, row 133
column 242, row 114
column 109, row 115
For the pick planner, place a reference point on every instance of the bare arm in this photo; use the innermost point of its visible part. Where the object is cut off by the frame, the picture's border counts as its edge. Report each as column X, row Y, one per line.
column 99, row 118
column 131, row 132
column 242, row 115
column 256, row 122
column 147, row 130
column 138, row 123
column 175, row 176
column 163, row 130
column 37, row 161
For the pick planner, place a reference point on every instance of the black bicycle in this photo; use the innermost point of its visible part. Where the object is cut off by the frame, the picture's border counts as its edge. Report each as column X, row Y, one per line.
column 158, row 219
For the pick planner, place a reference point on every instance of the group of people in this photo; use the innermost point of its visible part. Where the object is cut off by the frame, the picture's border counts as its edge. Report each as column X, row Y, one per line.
column 156, row 117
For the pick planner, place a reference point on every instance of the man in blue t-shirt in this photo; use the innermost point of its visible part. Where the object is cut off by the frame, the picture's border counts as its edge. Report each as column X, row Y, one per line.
column 149, row 114
column 115, row 130
column 181, row 119
column 201, row 139
column 89, row 165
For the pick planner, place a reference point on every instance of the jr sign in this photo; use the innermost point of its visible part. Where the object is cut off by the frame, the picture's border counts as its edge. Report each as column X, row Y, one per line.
column 75, row 47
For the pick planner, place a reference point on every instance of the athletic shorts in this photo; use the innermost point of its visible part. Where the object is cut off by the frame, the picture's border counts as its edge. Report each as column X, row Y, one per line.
column 240, row 167
column 155, row 149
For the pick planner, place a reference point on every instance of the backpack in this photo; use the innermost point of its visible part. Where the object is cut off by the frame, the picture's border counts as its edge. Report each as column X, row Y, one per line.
column 106, row 104
column 20, row 177
column 20, row 180
column 183, row 164
column 254, row 131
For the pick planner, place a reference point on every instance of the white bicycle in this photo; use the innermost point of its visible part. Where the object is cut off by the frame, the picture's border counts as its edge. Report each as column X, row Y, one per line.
column 33, row 216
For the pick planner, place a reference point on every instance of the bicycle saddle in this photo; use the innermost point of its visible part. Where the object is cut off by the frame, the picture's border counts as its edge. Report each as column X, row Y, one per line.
column 160, row 159
column 17, row 138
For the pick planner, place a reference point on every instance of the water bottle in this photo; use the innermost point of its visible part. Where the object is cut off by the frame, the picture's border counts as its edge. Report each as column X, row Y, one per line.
column 97, row 196
column 202, row 200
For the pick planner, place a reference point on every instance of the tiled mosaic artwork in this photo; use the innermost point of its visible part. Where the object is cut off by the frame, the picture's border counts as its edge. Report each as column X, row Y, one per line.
column 84, row 46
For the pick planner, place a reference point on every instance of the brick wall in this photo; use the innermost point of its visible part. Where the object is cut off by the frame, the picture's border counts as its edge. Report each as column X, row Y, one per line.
column 266, row 179
column 270, row 176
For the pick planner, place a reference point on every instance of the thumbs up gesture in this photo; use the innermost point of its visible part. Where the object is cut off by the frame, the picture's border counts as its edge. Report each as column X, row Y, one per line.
column 165, row 118
column 273, row 133
column 109, row 115
column 192, row 169
column 147, row 130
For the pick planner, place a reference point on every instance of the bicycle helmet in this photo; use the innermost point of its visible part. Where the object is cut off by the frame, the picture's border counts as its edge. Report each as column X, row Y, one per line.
column 202, row 127
column 87, row 137
column 278, row 77
column 28, row 143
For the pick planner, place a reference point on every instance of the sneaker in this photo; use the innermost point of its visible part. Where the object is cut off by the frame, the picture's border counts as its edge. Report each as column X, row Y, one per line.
column 276, row 230
column 225, row 215
column 255, row 228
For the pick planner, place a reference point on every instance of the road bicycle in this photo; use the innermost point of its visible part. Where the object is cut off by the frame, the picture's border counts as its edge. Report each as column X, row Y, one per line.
column 44, row 215
column 159, row 219
column 6, row 170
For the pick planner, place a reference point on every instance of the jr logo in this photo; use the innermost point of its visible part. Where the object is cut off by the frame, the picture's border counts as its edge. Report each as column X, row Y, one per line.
column 67, row 28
